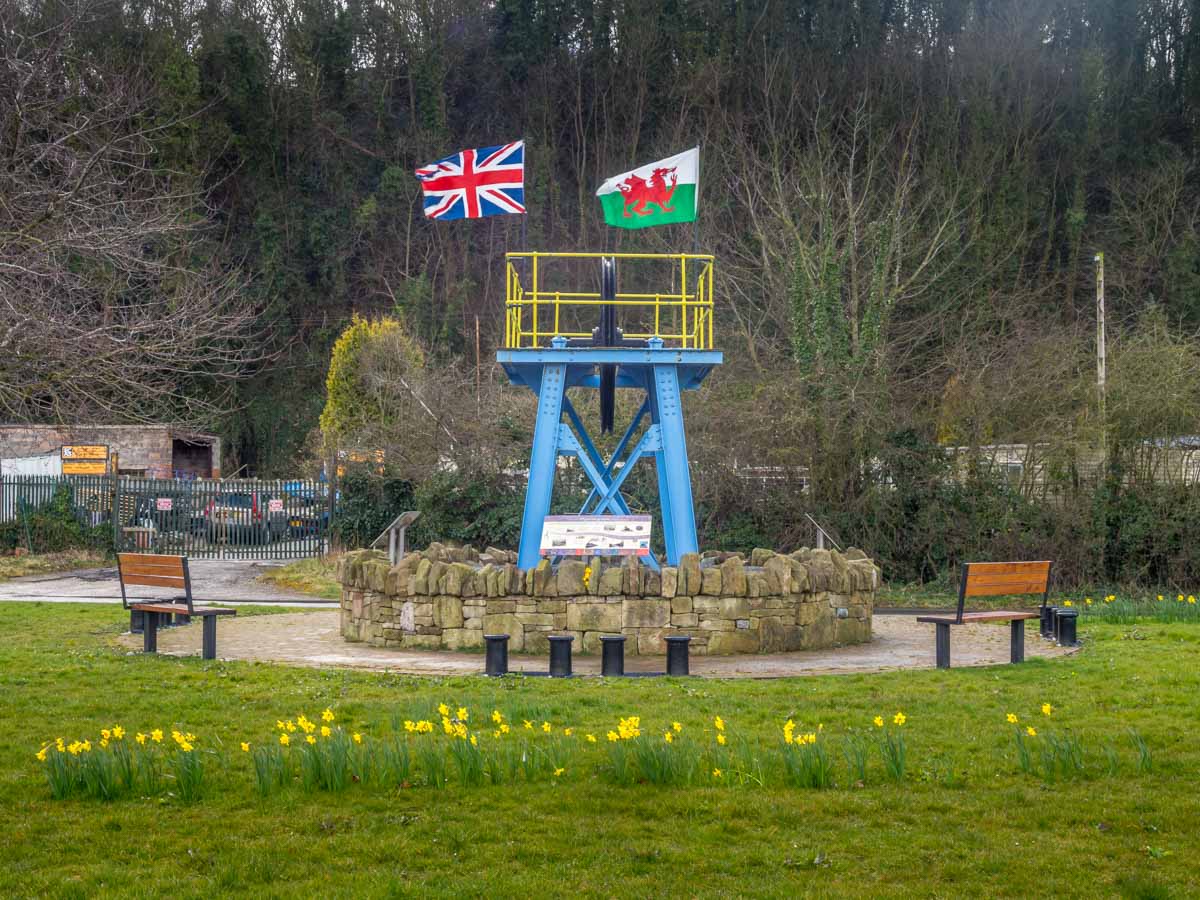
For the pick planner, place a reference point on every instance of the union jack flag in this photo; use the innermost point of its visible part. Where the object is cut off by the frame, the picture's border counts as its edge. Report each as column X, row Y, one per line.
column 489, row 181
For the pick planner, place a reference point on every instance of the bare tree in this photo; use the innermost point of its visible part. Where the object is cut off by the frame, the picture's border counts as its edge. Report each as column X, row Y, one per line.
column 109, row 306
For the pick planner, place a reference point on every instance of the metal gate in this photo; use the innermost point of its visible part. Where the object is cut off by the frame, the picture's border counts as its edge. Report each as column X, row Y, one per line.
column 242, row 519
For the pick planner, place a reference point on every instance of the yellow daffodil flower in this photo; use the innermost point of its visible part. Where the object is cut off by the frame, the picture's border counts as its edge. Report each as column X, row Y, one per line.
column 504, row 729
column 462, row 714
column 721, row 738
column 1012, row 718
column 591, row 738
column 1031, row 731
column 677, row 726
column 568, row 731
column 156, row 735
column 546, row 727
column 118, row 732
column 1047, row 709
column 326, row 731
column 613, row 736
column 310, row 739
column 474, row 741
column 443, row 709
column 41, row 754
column 496, row 735
column 280, row 724
column 284, row 739
column 878, row 721
column 719, row 723
column 528, row 725
column 558, row 772
column 716, row 773
column 668, row 736
column 497, row 717
column 245, row 747
column 408, row 725
column 140, row 738
column 327, row 715
column 357, row 738
column 899, row 718
column 1068, row 603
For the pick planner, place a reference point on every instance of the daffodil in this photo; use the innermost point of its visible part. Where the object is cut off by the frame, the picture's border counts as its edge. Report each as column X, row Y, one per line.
column 899, row 718
column 41, row 754
column 1012, row 718
column 280, row 724
column 156, row 735
column 140, row 738
column 357, row 738
column 559, row 771
column 677, row 726
column 1160, row 596
column 716, row 773
column 546, row 727
column 497, row 717
column 1191, row 599
column 443, row 709
column 568, row 731
column 878, row 721
column 105, row 733
column 408, row 725
column 504, row 729
column 461, row 715
column 591, row 738
column 327, row 715
column 668, row 736
column 118, row 732
column 719, row 723
column 474, row 741
column 1047, row 709
column 325, row 731
column 185, row 747
column 528, row 725
column 310, row 739
column 245, row 747
column 1068, row 603
column 721, row 738
column 1031, row 731
column 613, row 736
column 285, row 739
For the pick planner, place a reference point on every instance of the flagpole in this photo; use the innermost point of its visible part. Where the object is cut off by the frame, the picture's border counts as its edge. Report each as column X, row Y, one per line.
column 696, row 201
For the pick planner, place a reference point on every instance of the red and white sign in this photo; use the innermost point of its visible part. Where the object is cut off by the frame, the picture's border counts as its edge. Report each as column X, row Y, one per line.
column 164, row 504
column 275, row 505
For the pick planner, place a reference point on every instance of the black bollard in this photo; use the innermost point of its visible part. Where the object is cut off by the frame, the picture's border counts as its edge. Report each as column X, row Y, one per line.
column 677, row 654
column 560, row 655
column 1067, row 619
column 1047, row 621
column 612, row 654
column 1054, row 612
column 497, row 654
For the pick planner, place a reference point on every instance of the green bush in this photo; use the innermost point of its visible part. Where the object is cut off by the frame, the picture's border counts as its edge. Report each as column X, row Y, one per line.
column 53, row 527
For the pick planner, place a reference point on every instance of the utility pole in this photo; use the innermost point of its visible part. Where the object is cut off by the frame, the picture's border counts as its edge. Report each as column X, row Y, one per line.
column 1101, row 359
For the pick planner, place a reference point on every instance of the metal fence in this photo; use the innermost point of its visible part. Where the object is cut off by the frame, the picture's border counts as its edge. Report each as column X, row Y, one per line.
column 242, row 519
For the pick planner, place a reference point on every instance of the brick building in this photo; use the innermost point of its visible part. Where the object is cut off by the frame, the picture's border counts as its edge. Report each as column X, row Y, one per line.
column 155, row 451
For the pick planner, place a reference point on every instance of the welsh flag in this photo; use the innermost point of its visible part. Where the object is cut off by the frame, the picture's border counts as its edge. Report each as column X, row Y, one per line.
column 656, row 194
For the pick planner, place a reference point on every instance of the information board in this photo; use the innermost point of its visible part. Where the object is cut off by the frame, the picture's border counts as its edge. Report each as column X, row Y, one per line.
column 596, row 536
column 85, row 459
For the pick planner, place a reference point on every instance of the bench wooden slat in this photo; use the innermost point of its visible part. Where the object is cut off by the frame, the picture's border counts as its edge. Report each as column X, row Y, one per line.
column 1004, row 588
column 130, row 568
column 154, row 580
column 160, row 559
column 1040, row 567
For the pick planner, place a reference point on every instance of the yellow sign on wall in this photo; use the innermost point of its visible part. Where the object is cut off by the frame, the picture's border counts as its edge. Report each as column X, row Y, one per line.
column 85, row 459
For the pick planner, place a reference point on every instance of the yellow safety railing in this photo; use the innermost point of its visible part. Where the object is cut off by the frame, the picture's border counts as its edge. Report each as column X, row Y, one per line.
column 681, row 314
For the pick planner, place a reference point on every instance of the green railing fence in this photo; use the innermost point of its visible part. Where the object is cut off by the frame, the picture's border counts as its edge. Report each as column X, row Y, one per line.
column 237, row 519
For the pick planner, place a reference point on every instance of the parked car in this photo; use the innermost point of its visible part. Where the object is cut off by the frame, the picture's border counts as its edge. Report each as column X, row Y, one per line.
column 244, row 517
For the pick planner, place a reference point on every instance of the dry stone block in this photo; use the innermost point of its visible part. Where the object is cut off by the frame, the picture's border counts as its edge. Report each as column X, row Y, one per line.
column 721, row 643
column 670, row 581
column 641, row 613
column 681, row 605
column 570, row 578
column 760, row 555
column 420, row 582
column 689, row 574
column 509, row 624
column 733, row 577
column 778, row 572
column 448, row 612
column 596, row 616
column 685, row 620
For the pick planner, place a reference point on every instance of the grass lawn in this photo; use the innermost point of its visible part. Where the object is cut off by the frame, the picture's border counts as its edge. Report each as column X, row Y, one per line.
column 963, row 822
column 310, row 576
column 43, row 563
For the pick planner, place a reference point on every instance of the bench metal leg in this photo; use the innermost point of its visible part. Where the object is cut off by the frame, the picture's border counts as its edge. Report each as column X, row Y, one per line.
column 942, row 639
column 210, row 637
column 183, row 619
column 1017, row 641
column 150, row 632
column 137, row 621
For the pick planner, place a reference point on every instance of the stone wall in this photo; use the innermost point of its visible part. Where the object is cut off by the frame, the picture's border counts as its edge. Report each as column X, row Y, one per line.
column 147, row 449
column 449, row 597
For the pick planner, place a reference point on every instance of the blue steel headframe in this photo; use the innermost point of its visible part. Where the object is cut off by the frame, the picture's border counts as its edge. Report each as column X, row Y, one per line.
column 662, row 374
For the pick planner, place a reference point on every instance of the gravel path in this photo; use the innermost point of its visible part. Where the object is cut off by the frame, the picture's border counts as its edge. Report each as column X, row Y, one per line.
column 314, row 639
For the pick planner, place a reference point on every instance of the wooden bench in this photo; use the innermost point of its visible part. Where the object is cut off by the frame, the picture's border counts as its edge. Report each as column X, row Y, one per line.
column 156, row 570
column 993, row 579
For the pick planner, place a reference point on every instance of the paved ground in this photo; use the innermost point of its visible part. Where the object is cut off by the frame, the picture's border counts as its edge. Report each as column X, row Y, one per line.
column 228, row 581
column 313, row 639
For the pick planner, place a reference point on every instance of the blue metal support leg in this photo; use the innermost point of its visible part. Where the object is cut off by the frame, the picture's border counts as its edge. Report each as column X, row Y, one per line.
column 675, row 461
column 660, row 469
column 542, row 463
